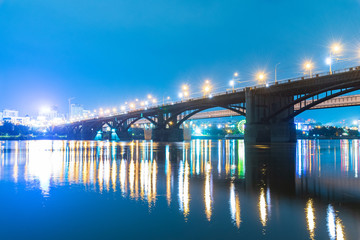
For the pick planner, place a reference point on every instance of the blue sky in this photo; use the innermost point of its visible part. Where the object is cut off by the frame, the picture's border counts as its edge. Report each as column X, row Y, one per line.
column 104, row 53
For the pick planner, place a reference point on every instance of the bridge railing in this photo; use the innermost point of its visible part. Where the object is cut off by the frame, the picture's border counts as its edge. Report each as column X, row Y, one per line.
column 313, row 75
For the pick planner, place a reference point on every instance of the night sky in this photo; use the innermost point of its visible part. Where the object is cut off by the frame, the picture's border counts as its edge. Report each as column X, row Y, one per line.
column 107, row 52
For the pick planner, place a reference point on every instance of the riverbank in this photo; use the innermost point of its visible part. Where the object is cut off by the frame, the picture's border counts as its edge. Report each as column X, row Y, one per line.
column 29, row 137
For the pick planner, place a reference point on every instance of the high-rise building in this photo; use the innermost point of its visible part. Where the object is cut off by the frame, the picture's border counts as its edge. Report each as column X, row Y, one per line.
column 76, row 110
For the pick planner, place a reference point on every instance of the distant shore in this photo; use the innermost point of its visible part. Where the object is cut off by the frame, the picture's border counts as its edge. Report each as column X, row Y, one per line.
column 24, row 138
column 2, row 138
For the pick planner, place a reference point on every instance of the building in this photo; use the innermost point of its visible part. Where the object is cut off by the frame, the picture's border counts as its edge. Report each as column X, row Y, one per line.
column 10, row 116
column 10, row 113
column 76, row 110
column 22, row 120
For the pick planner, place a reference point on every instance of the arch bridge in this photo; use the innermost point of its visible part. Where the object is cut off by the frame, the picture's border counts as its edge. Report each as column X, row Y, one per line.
column 269, row 109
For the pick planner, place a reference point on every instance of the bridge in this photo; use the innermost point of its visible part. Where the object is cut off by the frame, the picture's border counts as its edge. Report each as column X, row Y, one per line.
column 269, row 109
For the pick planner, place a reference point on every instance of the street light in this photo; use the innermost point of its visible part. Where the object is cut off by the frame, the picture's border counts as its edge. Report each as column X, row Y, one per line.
column 206, row 87
column 261, row 76
column 184, row 91
column 232, row 84
column 308, row 66
column 335, row 48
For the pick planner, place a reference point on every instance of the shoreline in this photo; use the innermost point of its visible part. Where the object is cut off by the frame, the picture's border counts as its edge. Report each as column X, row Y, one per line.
column 28, row 138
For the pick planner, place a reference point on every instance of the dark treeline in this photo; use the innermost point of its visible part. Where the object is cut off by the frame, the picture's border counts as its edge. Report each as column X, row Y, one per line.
column 333, row 132
column 9, row 129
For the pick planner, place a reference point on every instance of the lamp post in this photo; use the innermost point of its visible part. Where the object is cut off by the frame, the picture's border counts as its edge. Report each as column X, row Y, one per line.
column 308, row 66
column 276, row 72
column 334, row 49
column 232, row 82
column 206, row 88
column 185, row 89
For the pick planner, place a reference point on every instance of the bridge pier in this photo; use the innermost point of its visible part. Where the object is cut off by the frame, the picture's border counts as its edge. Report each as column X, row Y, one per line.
column 168, row 135
column 123, row 135
column 148, row 134
column 259, row 128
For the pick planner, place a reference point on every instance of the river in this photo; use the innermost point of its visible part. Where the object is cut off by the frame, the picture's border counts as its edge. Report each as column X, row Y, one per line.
column 203, row 189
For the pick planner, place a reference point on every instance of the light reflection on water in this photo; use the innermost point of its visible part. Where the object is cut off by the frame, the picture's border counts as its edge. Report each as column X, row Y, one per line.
column 312, row 185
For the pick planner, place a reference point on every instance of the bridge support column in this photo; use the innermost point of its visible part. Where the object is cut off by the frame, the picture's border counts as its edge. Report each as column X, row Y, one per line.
column 89, row 133
column 123, row 135
column 260, row 129
column 88, row 136
column 187, row 134
column 85, row 133
column 148, row 134
column 168, row 135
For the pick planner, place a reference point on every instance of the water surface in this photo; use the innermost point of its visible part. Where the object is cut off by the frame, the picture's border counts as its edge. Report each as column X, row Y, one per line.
column 203, row 189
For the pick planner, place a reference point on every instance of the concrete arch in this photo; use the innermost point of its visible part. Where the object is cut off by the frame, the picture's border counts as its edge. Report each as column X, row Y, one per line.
column 200, row 109
column 321, row 101
column 137, row 119
column 303, row 98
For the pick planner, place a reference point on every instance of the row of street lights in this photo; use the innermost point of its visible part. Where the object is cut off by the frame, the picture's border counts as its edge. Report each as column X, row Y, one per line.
column 308, row 65
column 261, row 77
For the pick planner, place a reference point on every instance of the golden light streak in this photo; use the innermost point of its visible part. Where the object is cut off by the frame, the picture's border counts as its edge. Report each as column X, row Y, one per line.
column 262, row 207
column 310, row 217
column 208, row 192
column 340, row 235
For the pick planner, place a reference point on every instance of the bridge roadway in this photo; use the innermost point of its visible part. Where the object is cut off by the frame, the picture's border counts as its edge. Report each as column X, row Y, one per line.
column 269, row 109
